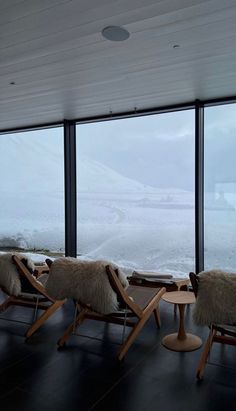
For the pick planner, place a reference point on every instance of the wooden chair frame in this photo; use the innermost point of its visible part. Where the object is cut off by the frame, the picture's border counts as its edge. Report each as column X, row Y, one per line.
column 131, row 309
column 37, row 299
column 218, row 333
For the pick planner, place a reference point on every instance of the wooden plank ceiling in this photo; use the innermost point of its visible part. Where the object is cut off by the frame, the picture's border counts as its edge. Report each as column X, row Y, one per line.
column 62, row 67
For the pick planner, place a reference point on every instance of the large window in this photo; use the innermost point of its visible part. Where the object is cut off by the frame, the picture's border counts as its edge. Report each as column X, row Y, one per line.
column 32, row 191
column 135, row 191
column 220, row 187
column 135, row 182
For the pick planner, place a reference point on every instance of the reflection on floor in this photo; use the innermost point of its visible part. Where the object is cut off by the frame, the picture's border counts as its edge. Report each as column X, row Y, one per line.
column 86, row 376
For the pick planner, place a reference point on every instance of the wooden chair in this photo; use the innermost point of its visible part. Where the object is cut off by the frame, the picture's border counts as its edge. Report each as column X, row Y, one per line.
column 33, row 295
column 137, row 302
column 224, row 334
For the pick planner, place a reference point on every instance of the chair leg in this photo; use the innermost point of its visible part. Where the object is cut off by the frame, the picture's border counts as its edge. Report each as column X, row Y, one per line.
column 157, row 316
column 9, row 301
column 205, row 354
column 43, row 318
column 131, row 337
column 79, row 319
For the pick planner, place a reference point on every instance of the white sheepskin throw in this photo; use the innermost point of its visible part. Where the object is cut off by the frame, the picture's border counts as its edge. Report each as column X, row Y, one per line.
column 216, row 299
column 85, row 281
column 9, row 276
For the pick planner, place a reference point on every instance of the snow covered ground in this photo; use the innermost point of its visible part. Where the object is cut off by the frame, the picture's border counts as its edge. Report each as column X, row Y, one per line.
column 142, row 233
column 132, row 230
column 119, row 219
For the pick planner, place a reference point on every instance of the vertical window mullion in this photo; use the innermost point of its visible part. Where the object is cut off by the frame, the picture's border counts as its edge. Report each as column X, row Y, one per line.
column 199, row 186
column 70, row 188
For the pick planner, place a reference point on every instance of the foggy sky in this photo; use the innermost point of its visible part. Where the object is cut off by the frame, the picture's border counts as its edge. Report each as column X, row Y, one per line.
column 155, row 150
column 158, row 150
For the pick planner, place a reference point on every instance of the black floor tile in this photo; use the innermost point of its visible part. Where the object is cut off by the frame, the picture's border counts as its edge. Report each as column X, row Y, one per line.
column 86, row 375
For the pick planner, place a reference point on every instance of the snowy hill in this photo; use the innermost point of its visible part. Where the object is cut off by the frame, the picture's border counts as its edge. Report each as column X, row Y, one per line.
column 31, row 165
column 96, row 177
column 37, row 165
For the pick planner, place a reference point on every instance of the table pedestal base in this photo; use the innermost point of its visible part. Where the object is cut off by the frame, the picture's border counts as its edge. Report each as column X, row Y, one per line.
column 190, row 343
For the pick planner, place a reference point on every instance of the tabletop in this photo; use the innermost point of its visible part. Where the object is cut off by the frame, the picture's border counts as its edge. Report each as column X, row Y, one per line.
column 179, row 297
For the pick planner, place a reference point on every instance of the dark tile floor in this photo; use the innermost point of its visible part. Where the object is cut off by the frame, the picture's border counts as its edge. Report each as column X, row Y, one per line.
column 86, row 375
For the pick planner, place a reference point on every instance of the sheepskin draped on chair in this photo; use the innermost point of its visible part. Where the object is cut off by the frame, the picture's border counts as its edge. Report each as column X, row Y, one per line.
column 10, row 280
column 101, row 292
column 215, row 292
column 84, row 281
column 216, row 298
column 24, row 289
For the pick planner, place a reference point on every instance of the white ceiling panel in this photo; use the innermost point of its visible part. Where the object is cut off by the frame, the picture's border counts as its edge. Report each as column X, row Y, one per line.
column 62, row 67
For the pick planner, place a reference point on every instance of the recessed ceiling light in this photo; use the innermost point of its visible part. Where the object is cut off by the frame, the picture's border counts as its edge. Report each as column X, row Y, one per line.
column 115, row 33
column 176, row 46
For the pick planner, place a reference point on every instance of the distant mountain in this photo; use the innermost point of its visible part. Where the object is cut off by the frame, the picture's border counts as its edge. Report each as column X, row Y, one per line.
column 96, row 177
column 31, row 164
column 36, row 165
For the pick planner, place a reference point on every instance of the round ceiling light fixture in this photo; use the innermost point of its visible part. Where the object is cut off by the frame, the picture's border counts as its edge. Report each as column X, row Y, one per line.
column 115, row 33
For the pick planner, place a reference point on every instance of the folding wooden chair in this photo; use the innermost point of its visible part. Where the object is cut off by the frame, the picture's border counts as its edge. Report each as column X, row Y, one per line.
column 135, row 301
column 224, row 334
column 33, row 295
